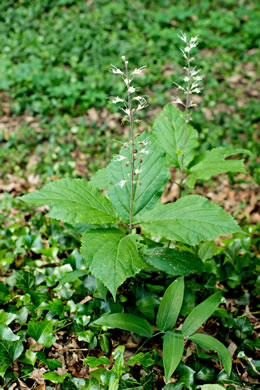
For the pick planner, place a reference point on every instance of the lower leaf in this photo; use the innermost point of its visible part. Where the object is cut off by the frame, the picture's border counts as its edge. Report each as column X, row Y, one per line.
column 173, row 347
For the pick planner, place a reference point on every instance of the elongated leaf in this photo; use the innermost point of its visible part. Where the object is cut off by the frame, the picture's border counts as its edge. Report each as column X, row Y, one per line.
column 212, row 387
column 127, row 322
column 200, row 314
column 191, row 219
column 210, row 343
column 173, row 347
column 73, row 201
column 41, row 332
column 111, row 256
column 152, row 173
column 212, row 163
column 169, row 129
column 170, row 306
column 173, row 262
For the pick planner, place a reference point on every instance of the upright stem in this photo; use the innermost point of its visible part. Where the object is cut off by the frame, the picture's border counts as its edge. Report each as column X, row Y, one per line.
column 187, row 105
column 132, row 162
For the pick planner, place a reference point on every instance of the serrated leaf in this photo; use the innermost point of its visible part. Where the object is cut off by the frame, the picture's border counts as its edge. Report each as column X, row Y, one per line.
column 153, row 176
column 200, row 314
column 169, row 129
column 111, row 256
column 170, row 305
column 128, row 322
column 173, row 347
column 210, row 343
column 100, row 179
column 41, row 332
column 74, row 201
column 10, row 351
column 191, row 219
column 213, row 162
column 173, row 261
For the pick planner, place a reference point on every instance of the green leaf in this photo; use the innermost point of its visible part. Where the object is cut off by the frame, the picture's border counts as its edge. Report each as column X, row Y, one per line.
column 200, row 314
column 7, row 334
column 173, row 347
column 173, row 261
column 153, row 176
column 169, row 129
column 6, row 318
column 211, row 387
column 128, row 322
column 55, row 378
column 170, row 306
column 191, row 219
column 207, row 250
column 210, row 343
column 93, row 362
column 74, row 201
column 10, row 351
column 111, row 256
column 212, row 163
column 41, row 332
column 51, row 363
column 70, row 277
column 101, row 179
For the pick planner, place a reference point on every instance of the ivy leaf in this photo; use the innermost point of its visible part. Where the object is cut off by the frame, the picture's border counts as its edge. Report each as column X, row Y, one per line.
column 55, row 378
column 173, row 347
column 10, row 351
column 152, row 173
column 7, row 334
column 41, row 332
column 111, row 256
column 213, row 162
column 211, row 387
column 74, row 201
column 210, row 343
column 127, row 322
column 170, row 305
column 191, row 219
column 200, row 314
column 173, row 261
column 6, row 318
column 169, row 129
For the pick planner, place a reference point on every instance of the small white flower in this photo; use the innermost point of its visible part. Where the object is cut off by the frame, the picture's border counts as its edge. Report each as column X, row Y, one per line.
column 144, row 151
column 122, row 183
column 120, row 158
column 183, row 37
column 198, row 78
column 186, row 79
column 126, row 111
column 116, row 99
column 196, row 90
column 178, row 101
column 187, row 49
column 115, row 70
column 137, row 171
column 131, row 89
column 138, row 71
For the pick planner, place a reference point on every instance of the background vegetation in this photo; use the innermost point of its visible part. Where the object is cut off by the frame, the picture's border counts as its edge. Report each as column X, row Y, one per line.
column 55, row 121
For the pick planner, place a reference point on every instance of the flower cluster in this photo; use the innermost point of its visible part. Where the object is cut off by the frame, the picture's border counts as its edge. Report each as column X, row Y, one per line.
column 192, row 78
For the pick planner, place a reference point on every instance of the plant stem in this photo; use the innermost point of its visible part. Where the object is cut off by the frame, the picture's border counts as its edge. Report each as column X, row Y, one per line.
column 132, row 162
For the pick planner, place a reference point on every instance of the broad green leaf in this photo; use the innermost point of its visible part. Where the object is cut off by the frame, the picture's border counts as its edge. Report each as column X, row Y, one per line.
column 169, row 129
column 170, row 305
column 210, row 343
column 93, row 362
column 173, row 347
column 101, row 179
column 111, row 256
column 10, row 351
column 191, row 219
column 173, row 261
column 70, row 277
column 73, row 201
column 41, row 332
column 55, row 378
column 153, row 174
column 200, row 314
column 207, row 250
column 213, row 162
column 7, row 334
column 211, row 387
column 6, row 318
column 51, row 363
column 128, row 322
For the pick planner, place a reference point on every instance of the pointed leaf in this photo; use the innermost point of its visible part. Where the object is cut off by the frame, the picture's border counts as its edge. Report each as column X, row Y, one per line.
column 127, row 322
column 191, row 219
column 173, row 261
column 10, row 351
column 152, row 173
column 173, row 347
column 212, row 387
column 101, row 179
column 111, row 256
column 210, row 343
column 73, row 201
column 212, row 163
column 200, row 314
column 6, row 333
column 170, row 306
column 41, row 332
column 169, row 129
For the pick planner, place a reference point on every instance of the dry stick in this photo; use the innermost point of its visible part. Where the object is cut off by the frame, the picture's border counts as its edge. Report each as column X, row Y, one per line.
column 132, row 163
